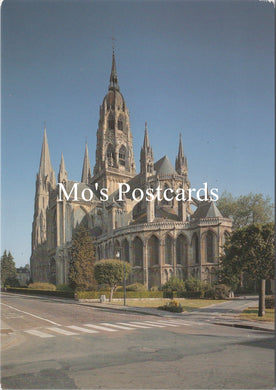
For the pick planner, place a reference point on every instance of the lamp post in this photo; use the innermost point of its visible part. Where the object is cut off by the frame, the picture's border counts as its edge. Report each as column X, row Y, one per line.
column 118, row 255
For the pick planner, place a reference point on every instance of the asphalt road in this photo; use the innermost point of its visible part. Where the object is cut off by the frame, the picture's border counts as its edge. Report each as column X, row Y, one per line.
column 52, row 344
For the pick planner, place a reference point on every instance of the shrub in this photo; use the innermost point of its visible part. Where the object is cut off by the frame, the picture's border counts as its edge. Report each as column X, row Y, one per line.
column 219, row 291
column 173, row 306
column 174, row 284
column 154, row 288
column 12, row 282
column 135, row 287
column 270, row 302
column 42, row 286
column 64, row 287
column 195, row 288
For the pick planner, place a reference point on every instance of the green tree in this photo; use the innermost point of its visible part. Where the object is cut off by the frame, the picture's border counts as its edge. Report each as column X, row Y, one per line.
column 8, row 269
column 246, row 209
column 174, row 284
column 81, row 268
column 249, row 249
column 111, row 272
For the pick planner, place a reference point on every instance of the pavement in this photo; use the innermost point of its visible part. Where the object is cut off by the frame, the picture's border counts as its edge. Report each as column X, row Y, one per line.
column 224, row 314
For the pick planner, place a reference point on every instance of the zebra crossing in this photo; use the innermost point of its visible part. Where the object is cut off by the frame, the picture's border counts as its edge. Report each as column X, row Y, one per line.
column 104, row 327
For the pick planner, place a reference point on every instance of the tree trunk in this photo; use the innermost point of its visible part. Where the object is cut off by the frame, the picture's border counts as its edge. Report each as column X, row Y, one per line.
column 111, row 293
column 262, row 298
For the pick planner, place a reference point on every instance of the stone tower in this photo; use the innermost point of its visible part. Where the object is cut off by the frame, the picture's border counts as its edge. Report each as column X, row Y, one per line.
column 181, row 165
column 146, row 156
column 114, row 154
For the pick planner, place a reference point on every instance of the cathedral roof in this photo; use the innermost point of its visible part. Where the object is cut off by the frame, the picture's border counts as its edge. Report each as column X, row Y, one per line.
column 207, row 210
column 164, row 167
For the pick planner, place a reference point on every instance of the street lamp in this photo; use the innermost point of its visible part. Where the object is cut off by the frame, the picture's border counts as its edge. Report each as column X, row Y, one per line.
column 118, row 255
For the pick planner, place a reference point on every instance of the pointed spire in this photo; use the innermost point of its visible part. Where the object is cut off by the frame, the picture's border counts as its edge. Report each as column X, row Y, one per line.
column 146, row 137
column 86, row 170
column 45, row 167
column 62, row 175
column 113, row 74
column 180, row 149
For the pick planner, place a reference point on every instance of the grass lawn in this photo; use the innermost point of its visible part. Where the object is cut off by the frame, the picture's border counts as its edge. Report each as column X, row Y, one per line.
column 187, row 304
column 251, row 313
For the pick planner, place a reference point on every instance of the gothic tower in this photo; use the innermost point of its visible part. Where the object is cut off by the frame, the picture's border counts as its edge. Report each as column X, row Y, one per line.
column 181, row 165
column 146, row 155
column 114, row 154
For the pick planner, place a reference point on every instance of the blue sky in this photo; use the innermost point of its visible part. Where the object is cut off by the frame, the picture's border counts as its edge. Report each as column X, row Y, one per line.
column 202, row 68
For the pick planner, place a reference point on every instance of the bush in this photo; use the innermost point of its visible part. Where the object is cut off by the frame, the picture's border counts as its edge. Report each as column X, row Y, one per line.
column 270, row 302
column 154, row 288
column 42, row 286
column 173, row 306
column 30, row 291
column 12, row 282
column 64, row 287
column 174, row 284
column 196, row 288
column 219, row 291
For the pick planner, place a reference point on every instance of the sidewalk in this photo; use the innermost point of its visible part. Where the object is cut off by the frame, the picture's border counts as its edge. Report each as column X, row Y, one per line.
column 207, row 314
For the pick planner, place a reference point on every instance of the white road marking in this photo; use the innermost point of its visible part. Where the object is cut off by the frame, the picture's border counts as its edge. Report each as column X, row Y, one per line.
column 117, row 326
column 134, row 325
column 33, row 315
column 38, row 333
column 164, row 323
column 101, row 328
column 149, row 324
column 179, row 322
column 81, row 329
column 62, row 331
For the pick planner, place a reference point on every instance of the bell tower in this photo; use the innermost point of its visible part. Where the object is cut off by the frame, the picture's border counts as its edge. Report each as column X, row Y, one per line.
column 114, row 154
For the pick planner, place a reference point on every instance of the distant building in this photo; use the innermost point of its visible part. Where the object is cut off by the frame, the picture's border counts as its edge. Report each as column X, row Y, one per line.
column 158, row 238
column 23, row 275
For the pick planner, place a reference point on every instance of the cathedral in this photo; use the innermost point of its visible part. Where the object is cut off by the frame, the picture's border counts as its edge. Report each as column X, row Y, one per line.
column 159, row 238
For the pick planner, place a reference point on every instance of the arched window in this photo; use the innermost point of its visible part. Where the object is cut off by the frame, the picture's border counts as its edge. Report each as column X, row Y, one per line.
column 125, row 247
column 120, row 125
column 182, row 250
column 210, row 247
column 110, row 156
column 122, row 155
column 117, row 250
column 111, row 122
column 106, row 251
column 195, row 249
column 168, row 250
column 138, row 251
column 153, row 250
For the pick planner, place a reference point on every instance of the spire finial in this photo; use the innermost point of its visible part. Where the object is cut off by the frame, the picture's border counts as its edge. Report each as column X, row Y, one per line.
column 86, row 170
column 113, row 76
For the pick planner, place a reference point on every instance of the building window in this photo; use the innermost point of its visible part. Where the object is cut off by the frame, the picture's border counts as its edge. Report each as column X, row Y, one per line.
column 210, row 247
column 120, row 125
column 195, row 249
column 110, row 156
column 181, row 250
column 138, row 251
column 153, row 251
column 125, row 254
column 122, row 156
column 168, row 250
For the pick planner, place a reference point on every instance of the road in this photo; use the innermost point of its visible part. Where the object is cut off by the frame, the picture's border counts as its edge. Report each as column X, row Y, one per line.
column 58, row 344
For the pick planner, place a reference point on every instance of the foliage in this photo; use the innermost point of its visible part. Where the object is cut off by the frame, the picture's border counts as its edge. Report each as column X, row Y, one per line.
column 64, row 287
column 196, row 288
column 173, row 306
column 111, row 272
column 29, row 291
column 8, row 269
column 42, row 286
column 119, row 294
column 219, row 291
column 136, row 287
column 81, row 268
column 12, row 282
column 246, row 209
column 174, row 284
column 270, row 302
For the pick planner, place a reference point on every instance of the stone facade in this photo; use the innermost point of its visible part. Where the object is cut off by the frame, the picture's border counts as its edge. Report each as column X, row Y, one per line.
column 159, row 238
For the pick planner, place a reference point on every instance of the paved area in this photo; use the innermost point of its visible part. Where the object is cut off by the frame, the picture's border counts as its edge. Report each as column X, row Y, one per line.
column 59, row 344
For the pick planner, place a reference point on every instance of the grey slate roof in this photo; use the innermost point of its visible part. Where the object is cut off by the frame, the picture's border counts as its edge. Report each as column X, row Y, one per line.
column 207, row 210
column 164, row 167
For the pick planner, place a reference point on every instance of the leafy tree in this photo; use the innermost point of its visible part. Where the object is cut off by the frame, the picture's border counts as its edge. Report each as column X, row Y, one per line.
column 8, row 269
column 111, row 272
column 174, row 284
column 249, row 249
column 246, row 209
column 81, row 268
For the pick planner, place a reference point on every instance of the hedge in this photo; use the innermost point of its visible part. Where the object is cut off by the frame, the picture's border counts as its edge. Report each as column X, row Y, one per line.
column 29, row 291
column 270, row 302
column 119, row 294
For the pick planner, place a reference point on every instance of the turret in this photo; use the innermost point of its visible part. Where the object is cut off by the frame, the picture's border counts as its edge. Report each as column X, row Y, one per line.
column 181, row 165
column 86, row 170
column 146, row 155
column 62, row 175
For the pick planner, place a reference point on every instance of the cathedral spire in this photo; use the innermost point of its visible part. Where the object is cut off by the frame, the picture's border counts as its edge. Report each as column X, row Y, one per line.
column 113, row 75
column 62, row 175
column 45, row 166
column 146, row 155
column 180, row 149
column 86, row 170
column 146, row 137
column 181, row 165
